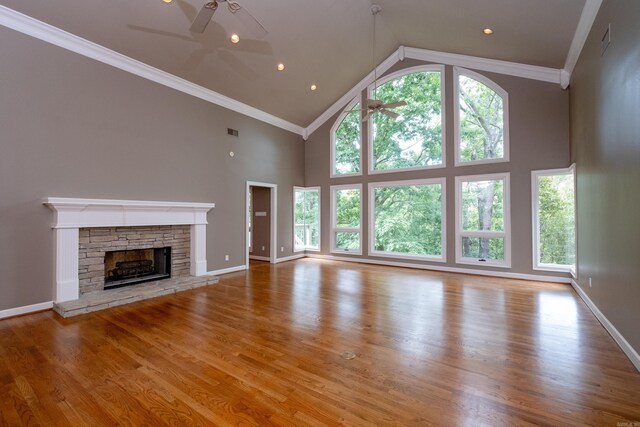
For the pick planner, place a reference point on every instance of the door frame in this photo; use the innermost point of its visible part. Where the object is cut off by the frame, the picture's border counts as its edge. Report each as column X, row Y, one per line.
column 273, row 220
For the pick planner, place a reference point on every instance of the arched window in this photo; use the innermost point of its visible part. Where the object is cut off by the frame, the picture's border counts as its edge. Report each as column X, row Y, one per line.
column 345, row 142
column 413, row 140
column 481, row 110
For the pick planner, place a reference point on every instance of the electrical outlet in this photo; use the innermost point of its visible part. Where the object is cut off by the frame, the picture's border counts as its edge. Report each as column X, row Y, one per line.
column 281, row 248
column 226, row 257
column 589, row 281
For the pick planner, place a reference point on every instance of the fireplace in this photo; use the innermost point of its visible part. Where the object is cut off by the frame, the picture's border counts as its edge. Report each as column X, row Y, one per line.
column 128, row 267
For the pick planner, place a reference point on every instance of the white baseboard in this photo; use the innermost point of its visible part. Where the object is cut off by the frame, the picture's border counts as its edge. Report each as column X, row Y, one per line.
column 226, row 270
column 631, row 353
column 508, row 275
column 26, row 309
column 289, row 258
column 260, row 258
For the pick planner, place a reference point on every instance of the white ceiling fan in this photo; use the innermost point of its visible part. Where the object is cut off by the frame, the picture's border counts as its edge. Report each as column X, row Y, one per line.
column 375, row 105
column 207, row 11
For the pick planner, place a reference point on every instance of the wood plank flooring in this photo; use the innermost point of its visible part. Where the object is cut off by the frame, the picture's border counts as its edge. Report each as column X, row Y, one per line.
column 264, row 347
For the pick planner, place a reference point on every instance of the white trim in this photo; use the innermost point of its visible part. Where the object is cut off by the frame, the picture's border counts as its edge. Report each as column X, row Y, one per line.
column 506, row 234
column 259, row 258
column 79, row 213
column 353, row 92
column 332, row 135
column 587, row 18
column 71, row 214
column 17, row 311
column 226, row 270
column 443, row 224
column 624, row 345
column 273, row 221
column 50, row 34
column 535, row 217
column 503, row 94
column 335, row 229
column 427, row 68
column 307, row 189
column 490, row 273
column 289, row 258
column 533, row 72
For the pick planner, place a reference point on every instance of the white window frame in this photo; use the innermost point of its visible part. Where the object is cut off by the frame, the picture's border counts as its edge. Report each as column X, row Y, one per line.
column 420, row 68
column 307, row 248
column 334, row 229
column 350, row 106
column 457, row 72
column 535, row 215
column 443, row 208
column 506, row 234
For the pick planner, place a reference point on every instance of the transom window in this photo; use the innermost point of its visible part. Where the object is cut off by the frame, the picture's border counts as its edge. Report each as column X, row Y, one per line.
column 414, row 139
column 481, row 119
column 346, row 218
column 554, row 221
column 306, row 218
column 483, row 231
column 345, row 142
column 407, row 219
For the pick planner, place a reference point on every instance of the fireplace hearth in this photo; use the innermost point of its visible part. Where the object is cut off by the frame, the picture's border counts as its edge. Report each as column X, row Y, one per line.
column 129, row 267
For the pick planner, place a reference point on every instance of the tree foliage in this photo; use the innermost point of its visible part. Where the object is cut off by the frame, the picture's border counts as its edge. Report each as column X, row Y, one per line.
column 347, row 143
column 347, row 202
column 408, row 219
column 414, row 138
column 307, row 218
column 557, row 219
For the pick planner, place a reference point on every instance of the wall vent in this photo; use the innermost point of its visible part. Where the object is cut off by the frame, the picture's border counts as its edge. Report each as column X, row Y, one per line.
column 232, row 132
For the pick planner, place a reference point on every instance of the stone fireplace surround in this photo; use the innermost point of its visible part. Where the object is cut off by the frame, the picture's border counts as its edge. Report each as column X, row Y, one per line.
column 71, row 215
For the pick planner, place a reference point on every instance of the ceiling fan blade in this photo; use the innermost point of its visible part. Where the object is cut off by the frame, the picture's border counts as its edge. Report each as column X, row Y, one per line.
column 373, row 103
column 160, row 32
column 390, row 114
column 253, row 25
column 369, row 114
column 394, row 104
column 203, row 17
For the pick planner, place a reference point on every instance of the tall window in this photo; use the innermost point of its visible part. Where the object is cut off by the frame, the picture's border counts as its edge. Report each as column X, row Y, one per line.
column 413, row 140
column 407, row 219
column 306, row 214
column 481, row 119
column 483, row 232
column 554, row 226
column 345, row 142
column 346, row 218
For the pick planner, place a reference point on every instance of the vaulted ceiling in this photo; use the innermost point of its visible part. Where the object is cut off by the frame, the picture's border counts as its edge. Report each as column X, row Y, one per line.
column 322, row 42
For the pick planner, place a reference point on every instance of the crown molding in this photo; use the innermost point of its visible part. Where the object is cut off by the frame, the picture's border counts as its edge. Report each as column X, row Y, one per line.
column 30, row 26
column 533, row 72
column 589, row 13
column 551, row 75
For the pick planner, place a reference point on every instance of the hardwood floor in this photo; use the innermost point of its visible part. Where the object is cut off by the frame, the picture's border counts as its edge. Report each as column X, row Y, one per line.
column 264, row 347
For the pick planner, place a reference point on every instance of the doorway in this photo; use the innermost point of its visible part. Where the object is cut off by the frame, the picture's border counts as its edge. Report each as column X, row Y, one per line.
column 261, row 222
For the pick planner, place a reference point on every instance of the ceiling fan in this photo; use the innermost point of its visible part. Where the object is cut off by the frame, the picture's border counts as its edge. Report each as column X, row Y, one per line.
column 207, row 11
column 375, row 105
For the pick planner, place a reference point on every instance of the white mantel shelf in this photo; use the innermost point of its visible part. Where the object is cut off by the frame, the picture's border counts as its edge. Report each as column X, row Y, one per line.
column 71, row 214
column 80, row 213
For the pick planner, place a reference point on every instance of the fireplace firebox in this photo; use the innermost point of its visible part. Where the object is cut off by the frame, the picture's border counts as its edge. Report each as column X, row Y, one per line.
column 123, row 268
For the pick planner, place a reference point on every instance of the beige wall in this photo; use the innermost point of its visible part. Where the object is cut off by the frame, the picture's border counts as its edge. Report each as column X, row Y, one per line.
column 539, row 139
column 605, row 139
column 261, row 225
column 73, row 127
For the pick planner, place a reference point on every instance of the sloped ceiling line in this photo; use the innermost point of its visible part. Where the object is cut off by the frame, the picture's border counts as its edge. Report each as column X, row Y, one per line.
column 50, row 34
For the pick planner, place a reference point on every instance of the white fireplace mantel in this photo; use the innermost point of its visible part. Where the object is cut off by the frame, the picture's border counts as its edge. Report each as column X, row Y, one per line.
column 72, row 214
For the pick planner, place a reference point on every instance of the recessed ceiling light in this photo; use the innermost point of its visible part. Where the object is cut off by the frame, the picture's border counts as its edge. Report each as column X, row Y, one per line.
column 234, row 38
column 314, row 87
column 280, row 67
column 488, row 31
column 167, row 1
